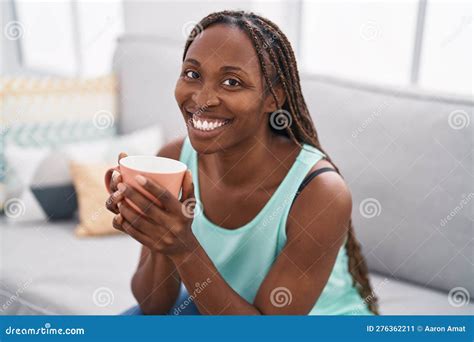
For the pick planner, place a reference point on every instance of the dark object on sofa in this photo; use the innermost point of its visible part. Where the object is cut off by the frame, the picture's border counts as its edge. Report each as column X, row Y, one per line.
column 58, row 202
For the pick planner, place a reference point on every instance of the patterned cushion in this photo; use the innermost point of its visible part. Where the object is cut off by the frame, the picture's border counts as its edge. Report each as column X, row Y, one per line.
column 88, row 180
column 51, row 112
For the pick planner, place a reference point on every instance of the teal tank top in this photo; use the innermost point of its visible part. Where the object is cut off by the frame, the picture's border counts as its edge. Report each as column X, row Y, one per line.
column 243, row 256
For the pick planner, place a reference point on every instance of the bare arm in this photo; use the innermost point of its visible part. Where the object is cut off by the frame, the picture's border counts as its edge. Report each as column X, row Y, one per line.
column 155, row 283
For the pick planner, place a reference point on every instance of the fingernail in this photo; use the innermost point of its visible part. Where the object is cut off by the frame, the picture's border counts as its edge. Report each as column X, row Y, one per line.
column 119, row 219
column 140, row 179
column 119, row 204
column 121, row 187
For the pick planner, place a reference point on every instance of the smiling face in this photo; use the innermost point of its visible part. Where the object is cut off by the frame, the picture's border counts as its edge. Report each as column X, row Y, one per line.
column 221, row 90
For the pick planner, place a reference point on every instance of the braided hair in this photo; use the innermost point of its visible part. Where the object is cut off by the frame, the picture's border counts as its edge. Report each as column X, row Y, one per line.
column 267, row 38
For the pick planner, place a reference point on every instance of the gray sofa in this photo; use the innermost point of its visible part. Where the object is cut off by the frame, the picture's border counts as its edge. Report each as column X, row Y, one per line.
column 403, row 152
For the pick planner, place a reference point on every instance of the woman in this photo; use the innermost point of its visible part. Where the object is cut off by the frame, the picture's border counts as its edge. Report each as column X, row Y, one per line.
column 270, row 237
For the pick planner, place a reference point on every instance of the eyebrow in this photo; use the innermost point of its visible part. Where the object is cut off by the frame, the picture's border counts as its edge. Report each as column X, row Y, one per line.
column 192, row 61
column 224, row 68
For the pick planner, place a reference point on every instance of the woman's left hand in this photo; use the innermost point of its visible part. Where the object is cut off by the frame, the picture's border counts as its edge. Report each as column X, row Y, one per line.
column 166, row 228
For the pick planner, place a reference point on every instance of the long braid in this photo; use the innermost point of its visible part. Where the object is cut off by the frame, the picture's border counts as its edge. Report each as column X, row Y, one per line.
column 267, row 37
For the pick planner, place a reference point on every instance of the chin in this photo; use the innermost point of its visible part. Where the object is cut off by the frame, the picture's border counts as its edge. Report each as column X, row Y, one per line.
column 206, row 147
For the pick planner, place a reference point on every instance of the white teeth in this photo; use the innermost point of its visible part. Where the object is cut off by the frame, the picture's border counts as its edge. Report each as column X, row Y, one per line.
column 205, row 125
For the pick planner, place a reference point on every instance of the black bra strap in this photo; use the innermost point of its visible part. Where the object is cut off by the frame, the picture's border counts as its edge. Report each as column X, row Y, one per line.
column 309, row 177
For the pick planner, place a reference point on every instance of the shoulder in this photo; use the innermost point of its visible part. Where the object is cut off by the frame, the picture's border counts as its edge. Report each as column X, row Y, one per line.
column 172, row 149
column 323, row 208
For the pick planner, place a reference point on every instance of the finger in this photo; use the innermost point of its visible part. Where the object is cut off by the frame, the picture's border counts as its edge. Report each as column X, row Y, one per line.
column 121, row 155
column 117, row 222
column 169, row 201
column 113, row 200
column 188, row 186
column 116, row 178
column 138, row 235
column 135, row 219
column 151, row 243
column 143, row 203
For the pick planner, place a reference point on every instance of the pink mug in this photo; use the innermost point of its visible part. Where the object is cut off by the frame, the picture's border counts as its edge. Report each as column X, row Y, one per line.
column 167, row 172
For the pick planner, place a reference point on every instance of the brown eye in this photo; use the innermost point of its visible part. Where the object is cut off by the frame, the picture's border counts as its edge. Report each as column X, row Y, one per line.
column 231, row 82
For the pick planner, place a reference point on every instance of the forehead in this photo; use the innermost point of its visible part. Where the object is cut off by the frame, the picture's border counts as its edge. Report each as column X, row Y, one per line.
column 224, row 45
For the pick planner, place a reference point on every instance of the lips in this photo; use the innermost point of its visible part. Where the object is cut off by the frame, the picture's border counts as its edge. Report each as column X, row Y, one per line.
column 205, row 116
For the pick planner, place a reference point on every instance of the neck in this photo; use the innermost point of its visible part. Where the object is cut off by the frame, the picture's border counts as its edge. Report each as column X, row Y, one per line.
column 242, row 164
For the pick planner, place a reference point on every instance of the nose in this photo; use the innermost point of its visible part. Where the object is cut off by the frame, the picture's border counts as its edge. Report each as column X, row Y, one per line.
column 205, row 97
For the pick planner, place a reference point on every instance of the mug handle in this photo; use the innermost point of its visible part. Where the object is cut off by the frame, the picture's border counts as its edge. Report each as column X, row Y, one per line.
column 108, row 177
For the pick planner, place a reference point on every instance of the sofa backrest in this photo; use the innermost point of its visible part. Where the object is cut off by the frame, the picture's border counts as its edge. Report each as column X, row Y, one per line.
column 148, row 68
column 406, row 155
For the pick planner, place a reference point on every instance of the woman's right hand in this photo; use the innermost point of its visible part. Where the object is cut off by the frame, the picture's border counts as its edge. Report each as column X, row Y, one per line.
column 115, row 195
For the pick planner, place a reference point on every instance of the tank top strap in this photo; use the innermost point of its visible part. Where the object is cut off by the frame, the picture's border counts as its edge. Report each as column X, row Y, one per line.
column 306, row 159
column 186, row 152
column 310, row 155
column 189, row 157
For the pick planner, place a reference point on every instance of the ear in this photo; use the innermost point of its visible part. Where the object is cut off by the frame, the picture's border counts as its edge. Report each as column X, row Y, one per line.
column 269, row 104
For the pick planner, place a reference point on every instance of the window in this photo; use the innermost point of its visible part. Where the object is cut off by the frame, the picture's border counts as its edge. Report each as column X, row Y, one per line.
column 446, row 59
column 70, row 38
column 425, row 43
